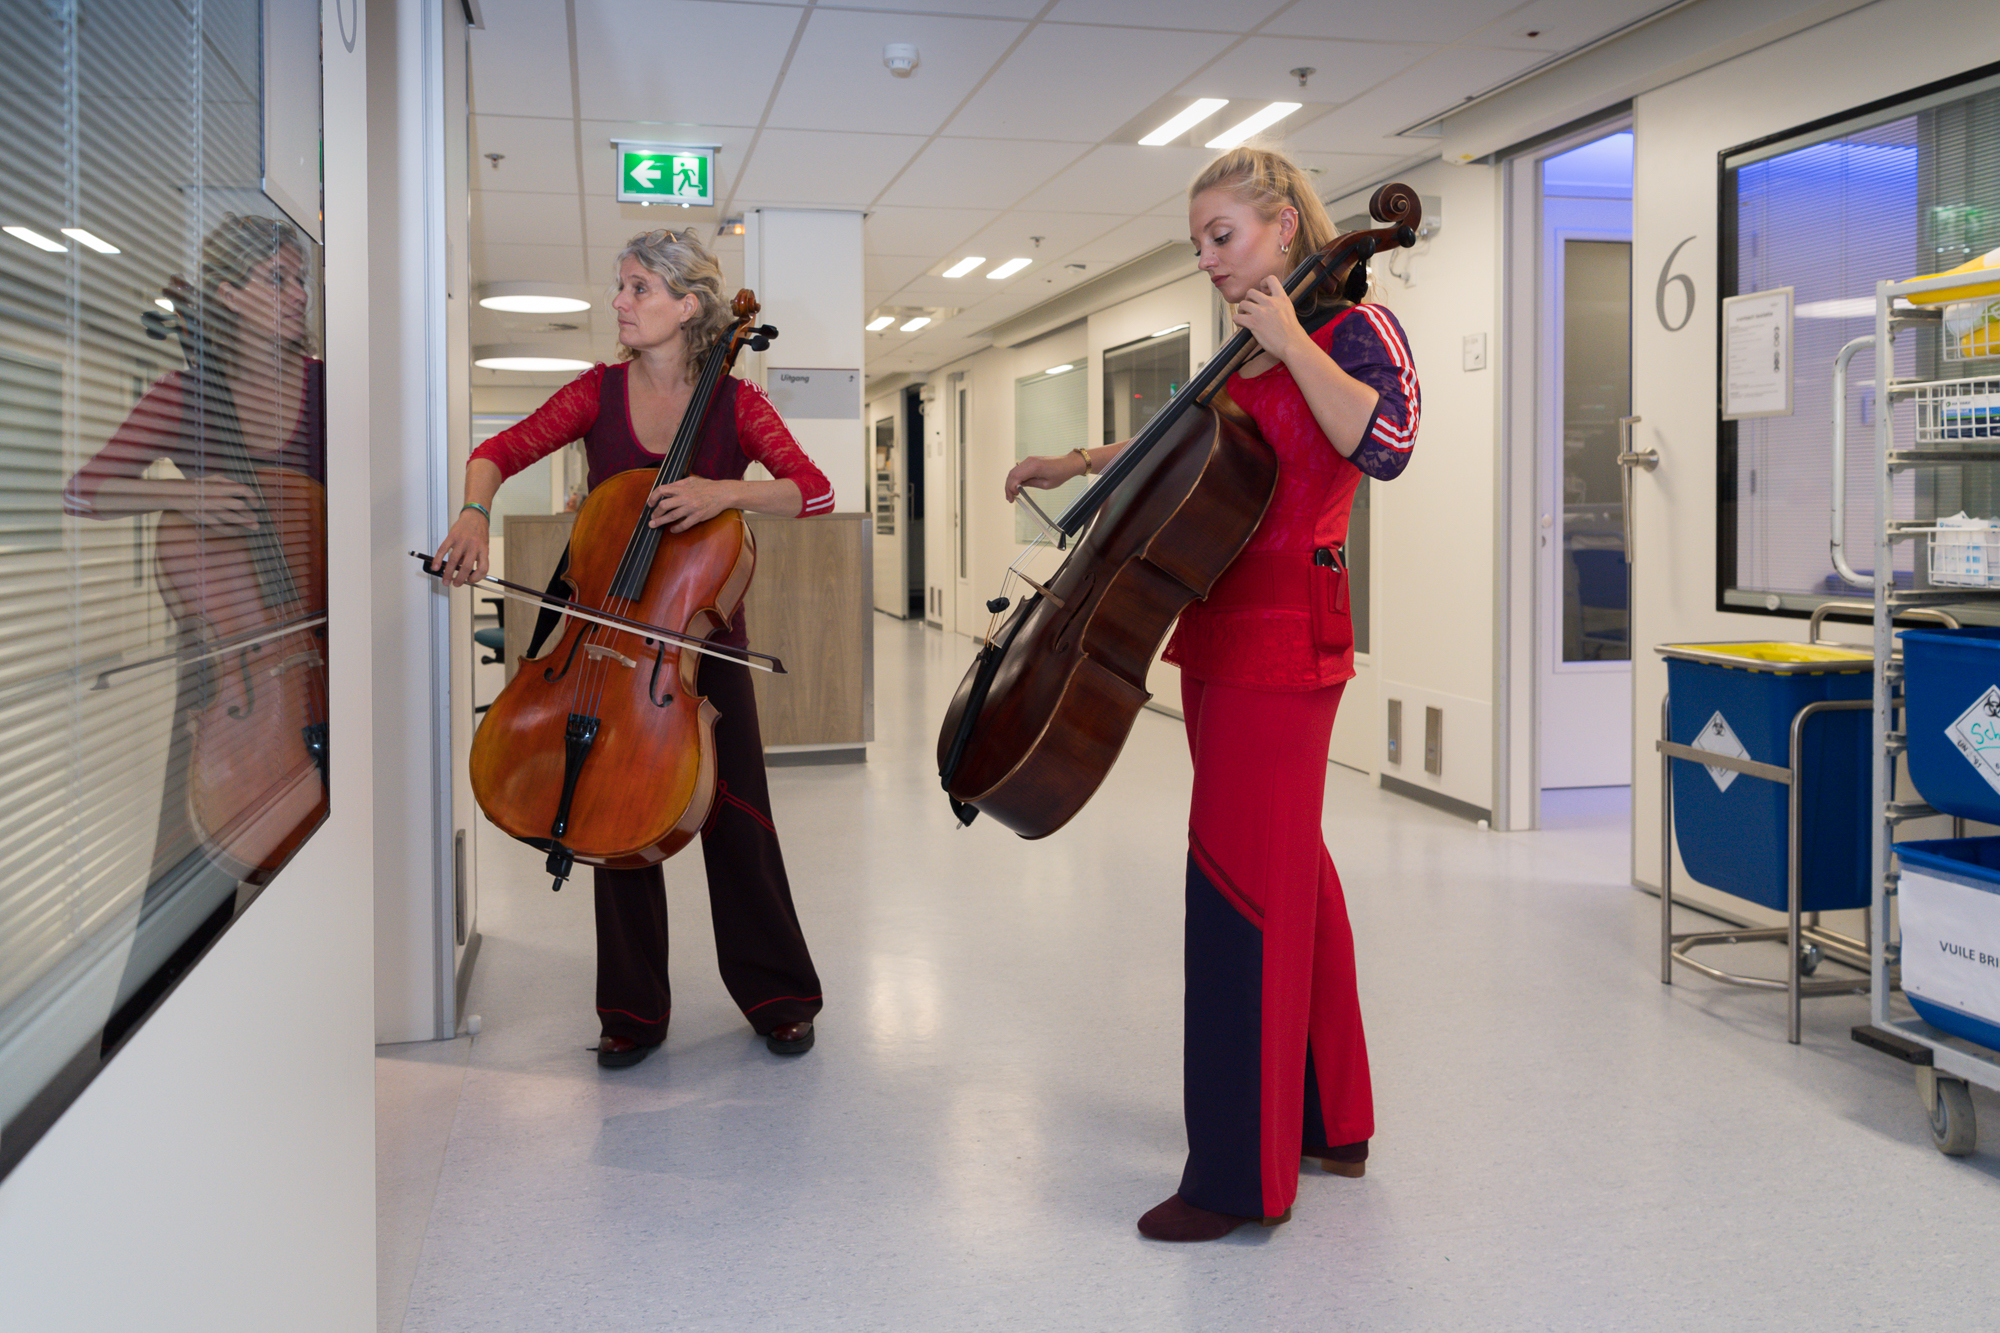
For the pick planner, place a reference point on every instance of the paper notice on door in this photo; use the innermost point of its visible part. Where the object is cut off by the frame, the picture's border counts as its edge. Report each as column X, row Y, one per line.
column 1718, row 737
column 1757, row 355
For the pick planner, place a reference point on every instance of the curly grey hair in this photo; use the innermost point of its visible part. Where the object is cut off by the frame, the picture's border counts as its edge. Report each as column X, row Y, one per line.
column 686, row 266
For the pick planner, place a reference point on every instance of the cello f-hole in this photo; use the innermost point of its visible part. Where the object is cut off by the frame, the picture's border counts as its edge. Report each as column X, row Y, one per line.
column 653, row 692
column 550, row 674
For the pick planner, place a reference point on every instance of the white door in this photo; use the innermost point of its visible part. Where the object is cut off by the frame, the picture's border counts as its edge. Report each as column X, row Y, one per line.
column 886, row 473
column 1583, row 376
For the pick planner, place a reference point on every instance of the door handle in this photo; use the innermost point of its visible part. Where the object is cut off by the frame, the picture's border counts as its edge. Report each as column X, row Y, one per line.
column 1627, row 460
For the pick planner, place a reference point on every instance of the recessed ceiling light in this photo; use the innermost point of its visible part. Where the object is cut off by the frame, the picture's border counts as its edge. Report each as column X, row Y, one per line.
column 1175, row 329
column 1057, row 370
column 916, row 324
column 1196, row 113
column 964, row 266
column 1270, row 115
column 1010, row 268
column 36, row 239
column 880, row 322
column 83, row 237
column 532, row 298
column 524, row 358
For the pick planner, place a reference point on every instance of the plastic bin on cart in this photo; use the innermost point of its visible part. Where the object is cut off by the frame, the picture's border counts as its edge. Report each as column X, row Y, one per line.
column 1948, row 904
column 1732, row 828
column 1951, row 712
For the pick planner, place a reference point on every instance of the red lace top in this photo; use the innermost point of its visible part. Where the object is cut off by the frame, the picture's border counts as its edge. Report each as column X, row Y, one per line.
column 1276, row 620
column 742, row 427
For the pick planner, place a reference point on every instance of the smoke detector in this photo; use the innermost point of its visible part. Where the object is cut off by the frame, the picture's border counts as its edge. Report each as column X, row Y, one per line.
column 900, row 57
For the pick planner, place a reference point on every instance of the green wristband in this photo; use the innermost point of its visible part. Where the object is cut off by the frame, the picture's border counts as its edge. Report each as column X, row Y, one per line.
column 474, row 504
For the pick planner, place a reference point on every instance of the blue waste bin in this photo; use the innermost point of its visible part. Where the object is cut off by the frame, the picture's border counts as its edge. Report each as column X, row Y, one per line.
column 1951, row 713
column 1732, row 828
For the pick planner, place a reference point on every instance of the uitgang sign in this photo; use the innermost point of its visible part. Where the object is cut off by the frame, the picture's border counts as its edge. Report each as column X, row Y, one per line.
column 1976, row 733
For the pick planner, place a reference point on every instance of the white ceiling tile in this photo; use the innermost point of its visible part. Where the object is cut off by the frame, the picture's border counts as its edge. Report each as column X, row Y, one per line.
column 1259, row 71
column 1476, row 69
column 520, row 60
column 808, row 169
column 1078, row 84
column 1565, row 25
column 528, row 263
column 1135, row 238
column 889, row 273
column 689, row 61
column 526, row 219
column 926, row 232
column 538, row 154
column 608, row 224
column 837, row 80
column 1013, row 233
column 1136, row 178
column 1197, row 15
column 1404, row 21
column 978, row 173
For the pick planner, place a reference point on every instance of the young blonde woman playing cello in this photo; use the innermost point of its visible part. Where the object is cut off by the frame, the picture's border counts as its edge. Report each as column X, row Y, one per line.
column 670, row 310
column 1276, row 1064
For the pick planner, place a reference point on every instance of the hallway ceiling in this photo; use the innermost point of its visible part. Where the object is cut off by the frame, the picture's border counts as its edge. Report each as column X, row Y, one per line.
column 1015, row 135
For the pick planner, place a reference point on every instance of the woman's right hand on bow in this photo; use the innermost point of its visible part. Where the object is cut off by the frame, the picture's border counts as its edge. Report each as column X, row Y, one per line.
column 461, row 557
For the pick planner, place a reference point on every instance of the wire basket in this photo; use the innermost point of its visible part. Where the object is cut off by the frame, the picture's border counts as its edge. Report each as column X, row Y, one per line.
column 1971, row 331
column 1957, row 411
column 1965, row 553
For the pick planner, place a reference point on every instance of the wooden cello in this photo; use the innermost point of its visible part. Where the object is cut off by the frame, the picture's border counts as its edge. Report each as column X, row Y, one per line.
column 600, row 750
column 1046, row 706
column 253, row 607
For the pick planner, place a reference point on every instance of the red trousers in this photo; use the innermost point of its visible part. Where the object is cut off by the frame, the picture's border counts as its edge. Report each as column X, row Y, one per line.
column 1276, row 1064
column 758, row 944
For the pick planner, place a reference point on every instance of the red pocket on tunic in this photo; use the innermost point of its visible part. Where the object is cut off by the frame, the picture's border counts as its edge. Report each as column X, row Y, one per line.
column 1332, row 617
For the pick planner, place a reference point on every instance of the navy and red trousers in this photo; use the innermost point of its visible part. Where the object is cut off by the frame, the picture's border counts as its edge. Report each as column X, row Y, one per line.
column 1276, row 1065
column 759, row 947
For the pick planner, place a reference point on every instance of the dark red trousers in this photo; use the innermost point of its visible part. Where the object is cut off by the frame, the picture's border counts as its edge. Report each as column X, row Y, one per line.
column 1275, row 1063
column 758, row 944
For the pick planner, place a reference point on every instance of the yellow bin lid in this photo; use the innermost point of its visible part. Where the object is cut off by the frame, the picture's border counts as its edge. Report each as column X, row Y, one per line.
column 1780, row 658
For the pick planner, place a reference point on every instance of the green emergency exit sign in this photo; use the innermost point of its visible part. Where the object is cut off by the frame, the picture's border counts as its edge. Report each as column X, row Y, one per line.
column 659, row 173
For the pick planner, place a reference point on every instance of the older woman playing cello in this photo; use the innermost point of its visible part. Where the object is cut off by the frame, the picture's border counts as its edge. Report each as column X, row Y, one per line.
column 670, row 311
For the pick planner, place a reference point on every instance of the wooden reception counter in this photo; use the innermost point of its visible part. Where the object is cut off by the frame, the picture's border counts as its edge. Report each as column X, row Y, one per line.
column 809, row 605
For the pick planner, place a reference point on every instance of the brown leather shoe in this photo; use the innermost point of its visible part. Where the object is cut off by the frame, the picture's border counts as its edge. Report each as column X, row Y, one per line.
column 1347, row 1159
column 621, row 1052
column 1178, row 1220
column 791, row 1039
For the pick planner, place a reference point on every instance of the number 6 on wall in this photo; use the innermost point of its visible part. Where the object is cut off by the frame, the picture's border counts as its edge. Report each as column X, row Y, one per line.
column 1667, row 278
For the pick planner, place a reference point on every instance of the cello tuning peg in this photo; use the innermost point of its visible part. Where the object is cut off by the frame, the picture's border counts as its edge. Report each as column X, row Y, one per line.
column 758, row 342
column 998, row 604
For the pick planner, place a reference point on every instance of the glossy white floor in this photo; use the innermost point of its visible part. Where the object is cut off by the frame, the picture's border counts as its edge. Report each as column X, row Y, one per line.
column 994, row 1099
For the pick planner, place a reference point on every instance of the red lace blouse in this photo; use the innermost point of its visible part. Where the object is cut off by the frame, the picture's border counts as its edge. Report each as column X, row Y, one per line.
column 759, row 435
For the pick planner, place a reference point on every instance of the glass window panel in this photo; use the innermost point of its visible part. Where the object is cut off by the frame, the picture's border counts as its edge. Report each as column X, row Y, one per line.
column 1051, row 416
column 163, row 654
column 1894, row 193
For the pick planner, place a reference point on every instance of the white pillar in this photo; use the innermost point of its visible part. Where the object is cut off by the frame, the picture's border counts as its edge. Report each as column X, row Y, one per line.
column 805, row 266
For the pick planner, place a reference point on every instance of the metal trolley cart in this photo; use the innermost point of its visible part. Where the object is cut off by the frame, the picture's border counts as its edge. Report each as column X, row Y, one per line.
column 1797, row 846
column 1952, row 419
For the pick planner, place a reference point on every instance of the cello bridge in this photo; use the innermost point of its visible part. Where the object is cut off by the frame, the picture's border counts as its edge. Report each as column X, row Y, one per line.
column 597, row 652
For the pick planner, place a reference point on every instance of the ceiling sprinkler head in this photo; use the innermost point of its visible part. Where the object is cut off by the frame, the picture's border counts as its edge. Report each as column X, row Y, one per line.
column 1302, row 73
column 900, row 57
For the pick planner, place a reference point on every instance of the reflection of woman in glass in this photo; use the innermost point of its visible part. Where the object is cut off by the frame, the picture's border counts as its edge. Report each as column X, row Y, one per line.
column 240, row 551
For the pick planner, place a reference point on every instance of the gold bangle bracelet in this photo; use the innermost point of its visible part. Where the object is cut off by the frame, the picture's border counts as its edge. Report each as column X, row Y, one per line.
column 1085, row 456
